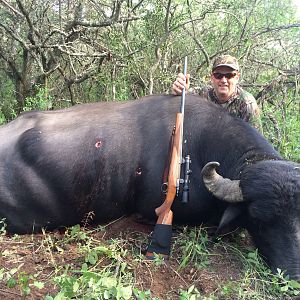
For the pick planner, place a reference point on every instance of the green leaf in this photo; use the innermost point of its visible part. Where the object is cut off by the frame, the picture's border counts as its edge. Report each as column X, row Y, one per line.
column 11, row 282
column 60, row 296
column 106, row 294
column 125, row 292
column 109, row 282
column 75, row 286
column 26, row 290
column 295, row 284
column 284, row 288
column 38, row 284
column 84, row 267
column 191, row 288
column 92, row 258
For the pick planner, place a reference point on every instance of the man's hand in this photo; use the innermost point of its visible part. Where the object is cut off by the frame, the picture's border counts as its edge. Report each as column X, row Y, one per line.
column 180, row 83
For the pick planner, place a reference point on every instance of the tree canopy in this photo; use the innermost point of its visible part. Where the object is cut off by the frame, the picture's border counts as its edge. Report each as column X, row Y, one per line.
column 64, row 52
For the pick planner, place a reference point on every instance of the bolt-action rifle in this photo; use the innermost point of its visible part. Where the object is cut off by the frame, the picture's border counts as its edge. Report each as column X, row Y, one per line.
column 160, row 240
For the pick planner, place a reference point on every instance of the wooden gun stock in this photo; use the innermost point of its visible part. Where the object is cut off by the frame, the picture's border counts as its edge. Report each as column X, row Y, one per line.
column 161, row 238
column 163, row 212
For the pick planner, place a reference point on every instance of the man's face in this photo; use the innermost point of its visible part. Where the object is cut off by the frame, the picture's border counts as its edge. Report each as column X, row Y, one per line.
column 224, row 87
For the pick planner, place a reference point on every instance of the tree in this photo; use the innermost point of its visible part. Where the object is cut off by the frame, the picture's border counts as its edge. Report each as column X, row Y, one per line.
column 82, row 51
column 50, row 42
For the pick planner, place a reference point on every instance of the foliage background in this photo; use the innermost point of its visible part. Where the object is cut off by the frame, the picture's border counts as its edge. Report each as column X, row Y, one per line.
column 57, row 53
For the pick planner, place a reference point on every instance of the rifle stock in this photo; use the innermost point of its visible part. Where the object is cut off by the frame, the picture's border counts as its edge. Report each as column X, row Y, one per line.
column 161, row 238
column 174, row 172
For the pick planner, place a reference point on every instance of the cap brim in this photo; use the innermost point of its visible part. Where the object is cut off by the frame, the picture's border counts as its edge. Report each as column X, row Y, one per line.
column 226, row 65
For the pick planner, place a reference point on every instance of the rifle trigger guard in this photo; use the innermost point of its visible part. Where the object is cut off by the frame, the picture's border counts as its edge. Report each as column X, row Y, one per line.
column 164, row 188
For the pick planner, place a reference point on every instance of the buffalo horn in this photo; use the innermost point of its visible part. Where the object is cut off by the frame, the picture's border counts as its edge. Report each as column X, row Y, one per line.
column 222, row 188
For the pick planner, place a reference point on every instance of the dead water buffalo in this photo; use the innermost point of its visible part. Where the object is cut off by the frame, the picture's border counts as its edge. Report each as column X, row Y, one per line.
column 108, row 158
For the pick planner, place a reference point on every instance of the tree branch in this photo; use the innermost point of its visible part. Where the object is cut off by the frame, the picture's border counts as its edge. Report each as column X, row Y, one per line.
column 282, row 27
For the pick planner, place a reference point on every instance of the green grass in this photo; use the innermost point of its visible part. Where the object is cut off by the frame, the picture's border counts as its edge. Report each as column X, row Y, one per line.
column 255, row 280
column 97, row 268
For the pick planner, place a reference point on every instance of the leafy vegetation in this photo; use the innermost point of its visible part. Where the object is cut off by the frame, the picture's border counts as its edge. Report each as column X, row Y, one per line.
column 111, row 269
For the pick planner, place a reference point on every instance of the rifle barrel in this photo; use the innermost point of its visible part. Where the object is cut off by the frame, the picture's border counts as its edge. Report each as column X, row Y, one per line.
column 182, row 115
column 183, row 91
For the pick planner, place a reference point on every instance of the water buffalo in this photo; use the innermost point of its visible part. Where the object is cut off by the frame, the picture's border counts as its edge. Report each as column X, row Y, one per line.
column 108, row 158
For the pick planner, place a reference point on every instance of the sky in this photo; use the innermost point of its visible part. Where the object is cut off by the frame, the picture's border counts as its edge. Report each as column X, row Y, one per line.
column 297, row 4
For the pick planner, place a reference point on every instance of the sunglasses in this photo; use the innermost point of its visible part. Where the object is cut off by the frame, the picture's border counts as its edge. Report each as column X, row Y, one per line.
column 221, row 75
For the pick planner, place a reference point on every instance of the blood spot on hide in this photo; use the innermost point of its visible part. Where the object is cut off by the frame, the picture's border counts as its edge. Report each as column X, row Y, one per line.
column 138, row 171
column 98, row 144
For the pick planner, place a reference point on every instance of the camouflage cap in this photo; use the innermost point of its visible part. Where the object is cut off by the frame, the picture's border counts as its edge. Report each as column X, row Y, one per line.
column 226, row 61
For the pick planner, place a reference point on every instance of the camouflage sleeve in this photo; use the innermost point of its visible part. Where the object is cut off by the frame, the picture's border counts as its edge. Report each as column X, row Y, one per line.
column 253, row 112
column 255, row 119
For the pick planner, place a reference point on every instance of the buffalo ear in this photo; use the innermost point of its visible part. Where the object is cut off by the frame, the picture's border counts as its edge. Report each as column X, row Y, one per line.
column 227, row 223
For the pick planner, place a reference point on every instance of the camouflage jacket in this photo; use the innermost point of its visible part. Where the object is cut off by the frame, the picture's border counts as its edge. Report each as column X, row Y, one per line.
column 242, row 105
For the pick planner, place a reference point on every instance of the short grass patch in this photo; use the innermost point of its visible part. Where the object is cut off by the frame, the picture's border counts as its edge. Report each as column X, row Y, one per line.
column 106, row 262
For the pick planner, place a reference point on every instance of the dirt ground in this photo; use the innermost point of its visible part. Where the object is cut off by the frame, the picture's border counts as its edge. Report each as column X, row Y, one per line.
column 30, row 255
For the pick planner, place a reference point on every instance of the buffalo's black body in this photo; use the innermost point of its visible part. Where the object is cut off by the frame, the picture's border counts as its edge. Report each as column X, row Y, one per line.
column 109, row 158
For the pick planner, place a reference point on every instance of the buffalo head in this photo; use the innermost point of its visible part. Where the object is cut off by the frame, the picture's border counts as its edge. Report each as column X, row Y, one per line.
column 268, row 194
